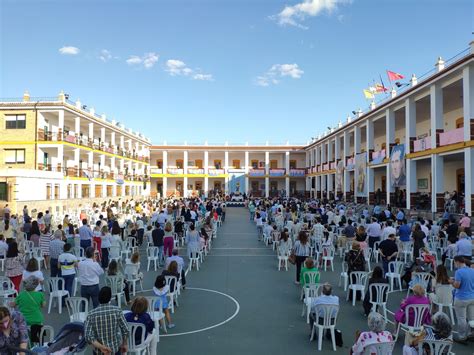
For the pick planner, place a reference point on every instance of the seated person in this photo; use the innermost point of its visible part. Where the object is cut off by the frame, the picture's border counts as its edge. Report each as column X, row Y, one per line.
column 326, row 298
column 139, row 314
column 418, row 297
column 376, row 278
column 376, row 334
column 441, row 330
column 308, row 267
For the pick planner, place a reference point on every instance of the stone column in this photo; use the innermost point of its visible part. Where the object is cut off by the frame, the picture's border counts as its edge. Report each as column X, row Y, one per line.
column 410, row 137
column 185, row 171
column 390, row 139
column 165, row 171
column 287, row 173
column 267, row 173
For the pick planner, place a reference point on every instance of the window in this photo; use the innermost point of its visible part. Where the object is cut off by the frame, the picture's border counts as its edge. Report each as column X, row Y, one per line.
column 3, row 191
column 217, row 164
column 14, row 156
column 236, row 164
column 292, row 164
column 179, row 163
column 198, row 163
column 15, row 121
column 273, row 164
column 159, row 164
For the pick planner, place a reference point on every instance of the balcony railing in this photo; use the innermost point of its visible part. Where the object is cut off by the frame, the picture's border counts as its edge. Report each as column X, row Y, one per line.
column 277, row 172
column 156, row 171
column 422, row 144
column 350, row 163
column 325, row 167
column 257, row 172
column 175, row 171
column 332, row 165
column 378, row 157
column 215, row 172
column 297, row 172
column 89, row 143
column 195, row 171
column 451, row 137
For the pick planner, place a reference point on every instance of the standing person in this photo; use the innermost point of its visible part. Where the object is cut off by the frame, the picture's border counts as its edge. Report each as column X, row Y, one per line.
column 14, row 265
column 374, row 231
column 301, row 251
column 464, row 246
column 105, row 327
column 47, row 219
column 29, row 302
column 463, row 282
column 56, row 247
column 89, row 272
column 85, row 234
column 105, row 244
column 67, row 262
column 388, row 251
column 140, row 230
column 158, row 235
column 418, row 237
column 193, row 240
column 44, row 242
column 161, row 289
column 259, row 222
column 96, row 240
column 168, row 240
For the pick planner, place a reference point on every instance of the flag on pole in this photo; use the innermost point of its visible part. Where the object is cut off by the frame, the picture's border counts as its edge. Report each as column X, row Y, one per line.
column 368, row 94
column 379, row 88
column 392, row 76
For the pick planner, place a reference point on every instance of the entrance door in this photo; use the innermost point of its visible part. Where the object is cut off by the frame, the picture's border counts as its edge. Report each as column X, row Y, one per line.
column 217, row 186
column 384, row 183
column 273, row 185
column 460, row 183
column 159, row 188
column 292, row 188
column 199, row 187
column 179, row 188
column 255, row 186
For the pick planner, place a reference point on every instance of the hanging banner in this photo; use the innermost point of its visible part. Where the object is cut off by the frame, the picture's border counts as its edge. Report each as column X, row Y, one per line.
column 236, row 180
column 360, row 174
column 339, row 175
column 397, row 166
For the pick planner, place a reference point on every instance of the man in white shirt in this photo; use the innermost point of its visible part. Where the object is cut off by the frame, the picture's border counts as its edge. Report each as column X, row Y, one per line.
column 89, row 272
column 181, row 265
column 326, row 298
column 374, row 231
column 389, row 229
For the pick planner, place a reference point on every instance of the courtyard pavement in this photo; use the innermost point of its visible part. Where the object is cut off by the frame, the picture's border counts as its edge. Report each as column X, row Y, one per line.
column 238, row 302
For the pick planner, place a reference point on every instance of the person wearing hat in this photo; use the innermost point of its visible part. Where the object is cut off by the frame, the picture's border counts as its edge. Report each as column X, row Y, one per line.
column 29, row 302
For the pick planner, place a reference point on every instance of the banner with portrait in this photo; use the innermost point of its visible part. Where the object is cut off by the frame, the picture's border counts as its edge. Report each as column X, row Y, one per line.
column 237, row 180
column 339, row 175
column 397, row 167
column 360, row 174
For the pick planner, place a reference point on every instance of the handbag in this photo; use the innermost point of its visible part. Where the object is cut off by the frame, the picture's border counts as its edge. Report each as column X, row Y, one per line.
column 292, row 258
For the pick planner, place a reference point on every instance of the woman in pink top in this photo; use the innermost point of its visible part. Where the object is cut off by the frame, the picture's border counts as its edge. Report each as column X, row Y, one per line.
column 418, row 297
column 168, row 240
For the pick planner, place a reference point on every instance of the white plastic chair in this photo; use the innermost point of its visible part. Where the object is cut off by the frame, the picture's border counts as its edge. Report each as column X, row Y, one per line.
column 367, row 256
column 132, row 275
column 152, row 257
column 283, row 255
column 116, row 284
column 137, row 347
column 418, row 311
column 395, row 269
column 78, row 252
column 378, row 297
column 357, row 282
column 376, row 252
column 444, row 298
column 328, row 314
column 310, row 292
column 344, row 276
column 37, row 253
column 7, row 288
column 156, row 313
column 3, row 256
column 436, row 347
column 194, row 258
column 328, row 257
column 407, row 251
column 56, row 292
column 46, row 335
column 172, row 280
column 114, row 253
column 77, row 307
column 379, row 348
column 423, row 279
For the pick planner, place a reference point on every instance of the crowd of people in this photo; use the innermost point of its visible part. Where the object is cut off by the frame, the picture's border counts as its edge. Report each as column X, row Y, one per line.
column 42, row 252
column 418, row 252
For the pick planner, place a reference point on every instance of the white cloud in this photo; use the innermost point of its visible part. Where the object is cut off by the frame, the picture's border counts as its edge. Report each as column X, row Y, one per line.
column 176, row 67
column 293, row 15
column 148, row 60
column 105, row 55
column 69, row 50
column 277, row 71
column 205, row 77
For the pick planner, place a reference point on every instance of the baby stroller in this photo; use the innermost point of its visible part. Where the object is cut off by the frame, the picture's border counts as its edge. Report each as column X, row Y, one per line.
column 70, row 340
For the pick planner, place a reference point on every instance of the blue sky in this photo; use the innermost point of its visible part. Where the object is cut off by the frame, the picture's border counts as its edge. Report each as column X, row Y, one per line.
column 223, row 70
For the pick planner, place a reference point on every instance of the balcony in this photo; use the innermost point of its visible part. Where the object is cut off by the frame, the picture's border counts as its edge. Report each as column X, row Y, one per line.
column 216, row 172
column 451, row 137
column 89, row 143
column 195, row 171
column 297, row 172
column 320, row 168
column 175, row 171
column 277, row 172
column 332, row 165
column 326, row 167
column 378, row 157
column 256, row 172
column 49, row 167
column 422, row 144
column 156, row 171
